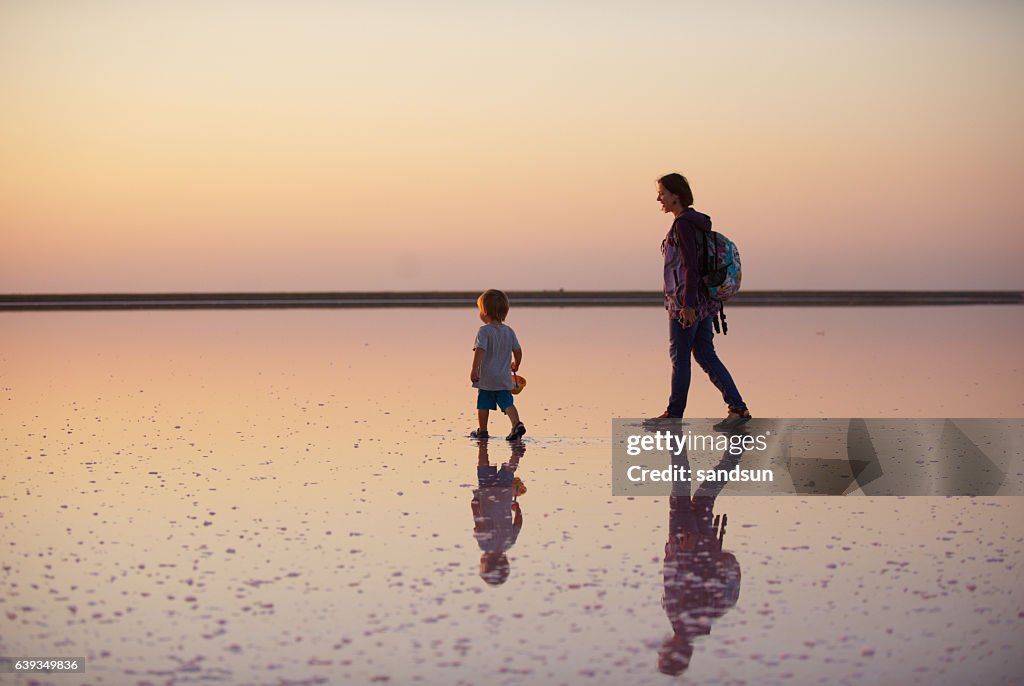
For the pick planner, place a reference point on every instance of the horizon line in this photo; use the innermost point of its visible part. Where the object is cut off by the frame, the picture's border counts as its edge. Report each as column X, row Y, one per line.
column 522, row 298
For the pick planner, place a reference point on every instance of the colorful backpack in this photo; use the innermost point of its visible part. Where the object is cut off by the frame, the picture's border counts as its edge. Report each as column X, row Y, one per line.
column 718, row 262
column 719, row 265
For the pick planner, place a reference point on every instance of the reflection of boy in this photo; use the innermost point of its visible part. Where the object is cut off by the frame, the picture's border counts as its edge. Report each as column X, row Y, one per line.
column 495, row 528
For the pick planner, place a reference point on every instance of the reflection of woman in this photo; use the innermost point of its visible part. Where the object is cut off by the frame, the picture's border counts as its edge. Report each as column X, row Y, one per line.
column 690, row 309
column 701, row 581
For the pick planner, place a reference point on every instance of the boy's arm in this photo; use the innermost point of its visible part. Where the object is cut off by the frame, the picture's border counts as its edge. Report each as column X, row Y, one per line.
column 517, row 359
column 478, row 514
column 478, row 359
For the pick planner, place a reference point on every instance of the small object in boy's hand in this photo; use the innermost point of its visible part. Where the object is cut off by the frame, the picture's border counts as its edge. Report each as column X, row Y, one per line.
column 520, row 487
column 520, row 383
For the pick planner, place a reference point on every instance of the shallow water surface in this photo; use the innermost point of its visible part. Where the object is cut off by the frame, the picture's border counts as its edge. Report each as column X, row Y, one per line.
column 268, row 497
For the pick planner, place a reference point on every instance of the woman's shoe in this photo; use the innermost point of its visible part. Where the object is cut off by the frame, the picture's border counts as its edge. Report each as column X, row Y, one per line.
column 660, row 419
column 734, row 420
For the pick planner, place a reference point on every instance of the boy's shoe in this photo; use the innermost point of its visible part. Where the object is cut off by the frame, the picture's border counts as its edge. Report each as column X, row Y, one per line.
column 479, row 433
column 734, row 420
column 518, row 431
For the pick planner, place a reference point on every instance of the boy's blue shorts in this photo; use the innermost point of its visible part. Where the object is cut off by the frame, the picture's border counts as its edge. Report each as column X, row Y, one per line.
column 490, row 476
column 492, row 400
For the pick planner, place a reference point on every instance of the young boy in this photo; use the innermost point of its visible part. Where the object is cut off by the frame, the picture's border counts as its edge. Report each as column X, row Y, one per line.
column 495, row 347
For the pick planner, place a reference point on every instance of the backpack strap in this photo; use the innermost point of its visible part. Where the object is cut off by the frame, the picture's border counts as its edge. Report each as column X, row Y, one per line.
column 700, row 238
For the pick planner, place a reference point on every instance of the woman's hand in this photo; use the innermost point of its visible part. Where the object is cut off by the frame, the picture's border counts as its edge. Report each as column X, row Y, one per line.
column 688, row 316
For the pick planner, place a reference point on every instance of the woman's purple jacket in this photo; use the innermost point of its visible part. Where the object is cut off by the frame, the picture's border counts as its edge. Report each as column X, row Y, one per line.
column 683, row 286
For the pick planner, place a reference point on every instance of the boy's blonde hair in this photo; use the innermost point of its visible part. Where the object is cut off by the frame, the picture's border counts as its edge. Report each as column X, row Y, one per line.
column 494, row 304
column 494, row 569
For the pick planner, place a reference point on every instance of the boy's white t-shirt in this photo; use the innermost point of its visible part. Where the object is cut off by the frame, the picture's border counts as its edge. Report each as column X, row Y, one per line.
column 495, row 531
column 498, row 340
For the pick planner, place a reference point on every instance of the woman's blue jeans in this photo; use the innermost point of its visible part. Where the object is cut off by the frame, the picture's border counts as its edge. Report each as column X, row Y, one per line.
column 697, row 340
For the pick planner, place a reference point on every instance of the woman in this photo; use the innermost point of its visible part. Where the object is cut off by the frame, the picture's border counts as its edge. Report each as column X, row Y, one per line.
column 690, row 310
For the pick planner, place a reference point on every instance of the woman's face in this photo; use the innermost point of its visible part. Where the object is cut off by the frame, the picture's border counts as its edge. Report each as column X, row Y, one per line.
column 669, row 201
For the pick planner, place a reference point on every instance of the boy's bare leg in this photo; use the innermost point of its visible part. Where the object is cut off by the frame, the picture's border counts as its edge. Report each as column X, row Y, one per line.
column 481, row 418
column 518, row 450
column 513, row 415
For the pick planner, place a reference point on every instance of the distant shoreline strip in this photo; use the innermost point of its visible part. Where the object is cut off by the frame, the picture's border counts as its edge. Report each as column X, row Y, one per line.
column 156, row 301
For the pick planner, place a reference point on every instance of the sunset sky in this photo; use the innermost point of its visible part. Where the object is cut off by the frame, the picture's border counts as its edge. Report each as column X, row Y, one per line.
column 215, row 145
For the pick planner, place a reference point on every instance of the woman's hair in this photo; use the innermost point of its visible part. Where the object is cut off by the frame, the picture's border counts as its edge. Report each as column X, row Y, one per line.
column 494, row 304
column 678, row 185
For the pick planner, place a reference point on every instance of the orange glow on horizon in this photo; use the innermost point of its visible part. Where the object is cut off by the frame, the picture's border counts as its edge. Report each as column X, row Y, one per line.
column 377, row 147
